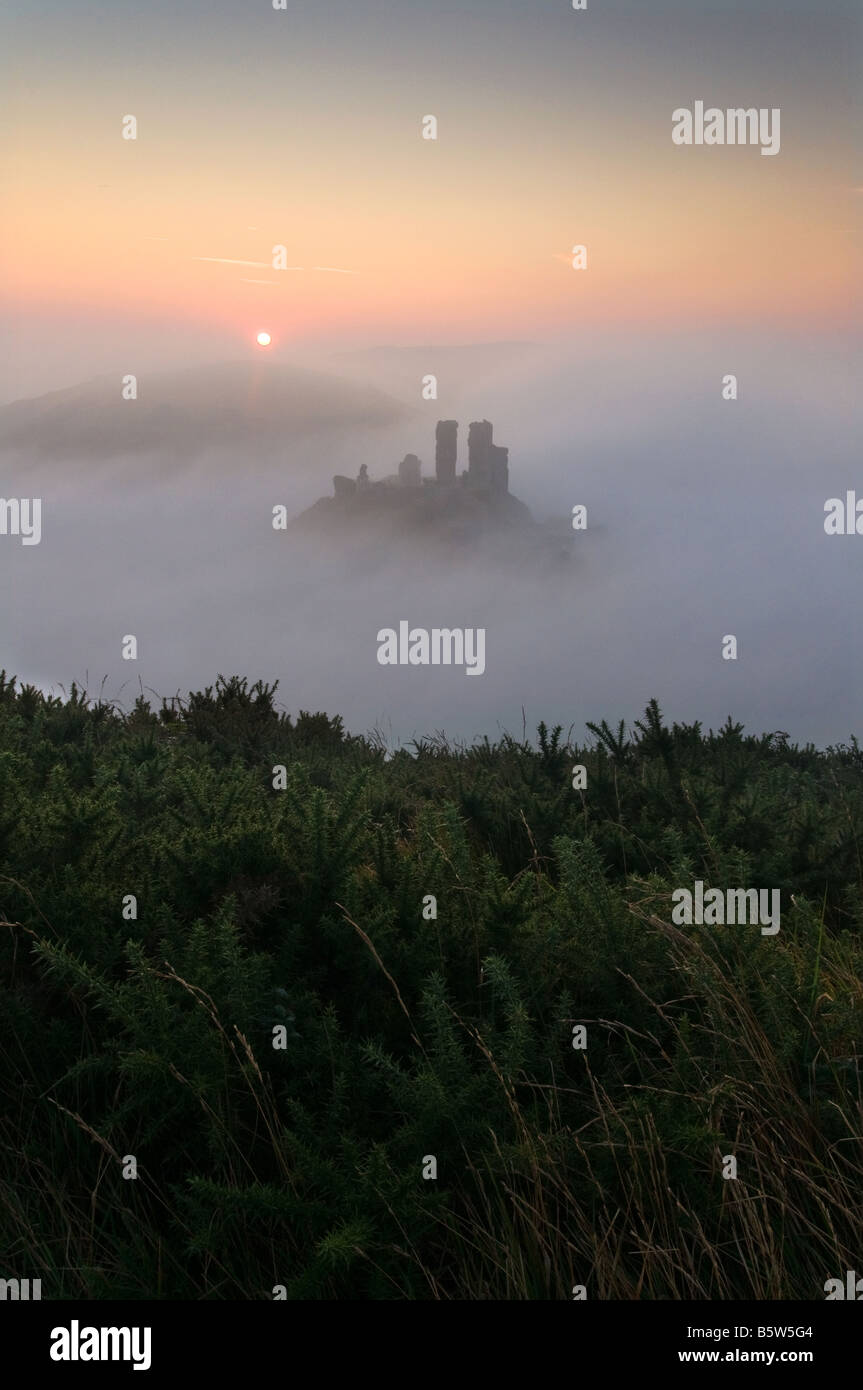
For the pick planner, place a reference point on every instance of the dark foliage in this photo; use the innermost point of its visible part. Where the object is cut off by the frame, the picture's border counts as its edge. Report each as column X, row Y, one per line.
column 150, row 1034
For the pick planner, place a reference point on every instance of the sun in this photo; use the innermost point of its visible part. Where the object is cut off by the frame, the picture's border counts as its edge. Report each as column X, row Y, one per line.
column 264, row 339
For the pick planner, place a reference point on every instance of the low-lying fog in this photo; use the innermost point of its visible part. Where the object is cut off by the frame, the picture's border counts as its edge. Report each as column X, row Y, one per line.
column 705, row 518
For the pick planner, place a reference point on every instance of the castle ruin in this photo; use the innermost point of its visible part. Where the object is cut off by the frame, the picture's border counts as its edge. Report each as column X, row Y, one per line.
column 487, row 469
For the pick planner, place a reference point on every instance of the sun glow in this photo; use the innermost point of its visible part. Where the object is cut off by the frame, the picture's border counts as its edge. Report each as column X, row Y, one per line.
column 264, row 339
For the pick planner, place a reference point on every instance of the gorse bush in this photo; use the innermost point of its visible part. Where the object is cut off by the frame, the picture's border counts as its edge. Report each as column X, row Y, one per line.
column 410, row 1036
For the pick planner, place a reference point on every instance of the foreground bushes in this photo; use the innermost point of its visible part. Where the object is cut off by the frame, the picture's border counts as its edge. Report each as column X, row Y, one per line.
column 409, row 1037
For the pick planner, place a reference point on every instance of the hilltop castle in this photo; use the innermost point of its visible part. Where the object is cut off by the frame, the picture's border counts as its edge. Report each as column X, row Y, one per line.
column 459, row 514
column 487, row 470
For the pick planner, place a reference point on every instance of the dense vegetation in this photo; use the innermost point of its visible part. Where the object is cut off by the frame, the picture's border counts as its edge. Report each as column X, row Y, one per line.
column 409, row 1037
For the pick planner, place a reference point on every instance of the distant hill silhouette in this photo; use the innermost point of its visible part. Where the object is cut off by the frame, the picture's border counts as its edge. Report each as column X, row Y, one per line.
column 233, row 403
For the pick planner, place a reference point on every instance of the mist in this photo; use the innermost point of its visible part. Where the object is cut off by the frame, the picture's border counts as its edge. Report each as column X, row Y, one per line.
column 705, row 518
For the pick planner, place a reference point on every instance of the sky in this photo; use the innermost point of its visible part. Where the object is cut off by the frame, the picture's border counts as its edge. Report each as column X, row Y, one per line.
column 302, row 128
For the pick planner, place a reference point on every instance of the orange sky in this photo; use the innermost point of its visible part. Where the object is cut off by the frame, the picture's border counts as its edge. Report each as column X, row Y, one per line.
column 468, row 236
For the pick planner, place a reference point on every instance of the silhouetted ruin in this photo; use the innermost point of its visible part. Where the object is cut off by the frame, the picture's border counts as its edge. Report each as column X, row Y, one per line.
column 410, row 471
column 446, row 452
column 452, row 509
column 487, row 470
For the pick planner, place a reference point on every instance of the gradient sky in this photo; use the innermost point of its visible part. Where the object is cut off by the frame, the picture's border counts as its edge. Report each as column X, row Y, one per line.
column 303, row 128
column 259, row 127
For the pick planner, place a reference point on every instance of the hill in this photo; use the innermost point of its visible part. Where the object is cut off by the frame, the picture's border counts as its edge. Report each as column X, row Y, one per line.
column 232, row 405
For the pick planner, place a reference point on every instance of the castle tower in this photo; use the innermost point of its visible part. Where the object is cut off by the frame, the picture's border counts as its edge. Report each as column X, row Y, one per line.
column 488, row 464
column 446, row 452
column 410, row 471
column 499, row 468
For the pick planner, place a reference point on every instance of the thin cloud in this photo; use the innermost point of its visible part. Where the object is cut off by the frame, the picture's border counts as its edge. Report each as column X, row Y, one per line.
column 225, row 260
column 336, row 270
